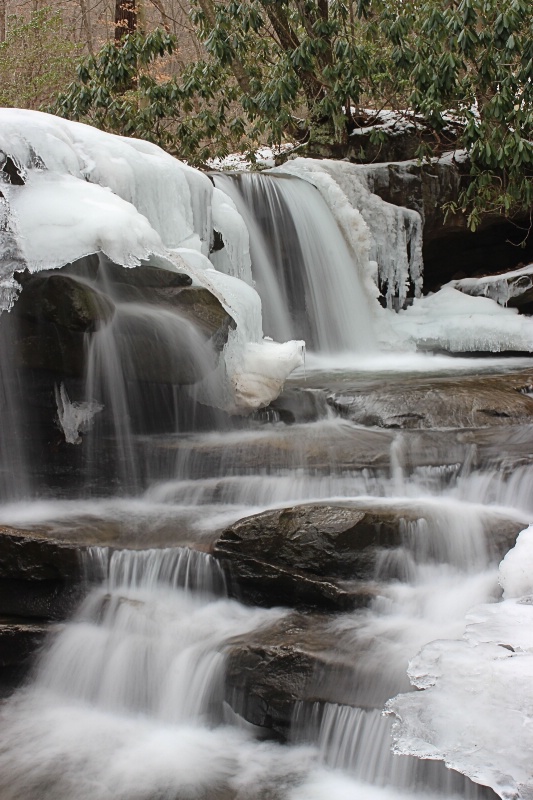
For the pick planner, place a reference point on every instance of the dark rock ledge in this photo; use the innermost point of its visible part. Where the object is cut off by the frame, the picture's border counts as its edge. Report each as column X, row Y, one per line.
column 328, row 557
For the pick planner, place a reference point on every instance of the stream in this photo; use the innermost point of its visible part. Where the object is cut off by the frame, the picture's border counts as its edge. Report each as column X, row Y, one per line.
column 129, row 698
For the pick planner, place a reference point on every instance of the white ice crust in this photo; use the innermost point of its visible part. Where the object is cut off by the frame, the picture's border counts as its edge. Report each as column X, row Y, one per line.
column 387, row 244
column 476, row 710
column 388, row 235
column 85, row 191
column 501, row 288
column 459, row 323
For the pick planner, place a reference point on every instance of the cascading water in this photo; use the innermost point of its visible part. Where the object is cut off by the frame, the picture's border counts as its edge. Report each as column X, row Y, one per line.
column 305, row 273
column 129, row 699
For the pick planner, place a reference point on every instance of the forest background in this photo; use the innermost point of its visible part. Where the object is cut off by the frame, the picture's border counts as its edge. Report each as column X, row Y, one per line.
column 206, row 78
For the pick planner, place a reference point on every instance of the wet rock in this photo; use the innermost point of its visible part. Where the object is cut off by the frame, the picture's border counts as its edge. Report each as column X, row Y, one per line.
column 277, row 447
column 142, row 277
column 269, row 670
column 319, row 556
column 35, row 555
column 40, row 576
column 300, row 405
column 63, row 301
column 193, row 303
column 43, row 346
column 332, row 557
column 38, row 599
column 469, row 402
column 19, row 642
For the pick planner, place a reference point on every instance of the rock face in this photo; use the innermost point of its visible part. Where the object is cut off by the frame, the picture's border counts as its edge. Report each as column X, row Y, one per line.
column 39, row 584
column 148, row 328
column 324, row 556
column 38, row 573
column 56, row 311
column 18, row 643
column 449, row 247
column 440, row 403
column 270, row 670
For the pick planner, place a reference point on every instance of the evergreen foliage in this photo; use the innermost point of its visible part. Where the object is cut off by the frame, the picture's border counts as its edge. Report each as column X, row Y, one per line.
column 304, row 69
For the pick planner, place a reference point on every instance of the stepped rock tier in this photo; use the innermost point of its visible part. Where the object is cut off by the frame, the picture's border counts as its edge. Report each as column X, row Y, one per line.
column 264, row 444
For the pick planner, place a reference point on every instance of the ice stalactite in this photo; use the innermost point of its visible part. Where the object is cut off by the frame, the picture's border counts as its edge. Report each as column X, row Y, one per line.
column 394, row 233
column 86, row 191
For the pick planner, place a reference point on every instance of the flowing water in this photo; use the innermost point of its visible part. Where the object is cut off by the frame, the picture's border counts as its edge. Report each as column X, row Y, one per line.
column 128, row 700
column 294, row 241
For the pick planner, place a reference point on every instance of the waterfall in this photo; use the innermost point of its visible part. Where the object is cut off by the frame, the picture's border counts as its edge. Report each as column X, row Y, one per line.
column 306, row 275
column 163, row 684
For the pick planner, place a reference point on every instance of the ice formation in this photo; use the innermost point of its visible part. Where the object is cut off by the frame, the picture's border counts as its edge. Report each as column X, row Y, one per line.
column 387, row 242
column 459, row 323
column 81, row 191
column 393, row 234
column 74, row 418
column 501, row 288
column 476, row 710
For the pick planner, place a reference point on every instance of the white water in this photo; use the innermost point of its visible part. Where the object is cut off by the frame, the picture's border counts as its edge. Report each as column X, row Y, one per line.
column 137, row 677
column 302, row 265
column 128, row 701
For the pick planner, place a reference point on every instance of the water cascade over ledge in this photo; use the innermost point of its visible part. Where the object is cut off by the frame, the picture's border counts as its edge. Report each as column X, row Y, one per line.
column 222, row 568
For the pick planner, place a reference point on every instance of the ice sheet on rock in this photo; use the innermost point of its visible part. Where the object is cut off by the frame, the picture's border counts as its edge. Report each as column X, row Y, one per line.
column 59, row 219
column 500, row 288
column 395, row 241
column 234, row 257
column 172, row 196
column 266, row 365
column 457, row 322
column 476, row 710
column 256, row 368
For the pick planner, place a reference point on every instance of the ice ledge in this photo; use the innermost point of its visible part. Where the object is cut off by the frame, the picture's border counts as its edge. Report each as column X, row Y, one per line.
column 475, row 712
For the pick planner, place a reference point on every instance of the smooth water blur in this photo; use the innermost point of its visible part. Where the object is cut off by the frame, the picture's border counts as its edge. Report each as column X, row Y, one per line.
column 138, row 674
column 305, row 274
column 128, row 701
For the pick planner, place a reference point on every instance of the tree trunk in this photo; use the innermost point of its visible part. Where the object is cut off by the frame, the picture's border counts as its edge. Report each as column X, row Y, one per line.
column 2, row 20
column 125, row 18
column 86, row 23
column 236, row 67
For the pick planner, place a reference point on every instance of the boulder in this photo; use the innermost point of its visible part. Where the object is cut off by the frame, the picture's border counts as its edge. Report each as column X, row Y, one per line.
column 51, row 319
column 193, row 303
column 142, row 277
column 330, row 557
column 270, row 670
column 63, row 301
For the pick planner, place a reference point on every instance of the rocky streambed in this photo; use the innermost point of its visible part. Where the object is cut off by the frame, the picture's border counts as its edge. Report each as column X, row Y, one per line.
column 325, row 560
